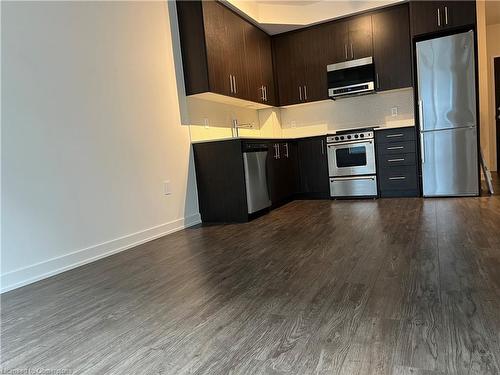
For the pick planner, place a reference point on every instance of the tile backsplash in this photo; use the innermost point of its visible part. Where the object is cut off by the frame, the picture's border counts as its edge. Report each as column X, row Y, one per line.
column 211, row 120
column 328, row 116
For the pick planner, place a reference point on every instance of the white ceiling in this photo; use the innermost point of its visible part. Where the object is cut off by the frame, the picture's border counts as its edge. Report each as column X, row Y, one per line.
column 492, row 12
column 277, row 16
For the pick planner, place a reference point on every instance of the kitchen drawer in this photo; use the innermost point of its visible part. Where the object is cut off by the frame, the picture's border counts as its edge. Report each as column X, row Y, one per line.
column 396, row 160
column 395, row 135
column 398, row 178
column 396, row 148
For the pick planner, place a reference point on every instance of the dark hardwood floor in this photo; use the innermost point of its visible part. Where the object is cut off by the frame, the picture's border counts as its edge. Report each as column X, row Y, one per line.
column 389, row 286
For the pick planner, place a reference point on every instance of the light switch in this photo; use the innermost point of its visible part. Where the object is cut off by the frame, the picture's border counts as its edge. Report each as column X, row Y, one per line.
column 167, row 187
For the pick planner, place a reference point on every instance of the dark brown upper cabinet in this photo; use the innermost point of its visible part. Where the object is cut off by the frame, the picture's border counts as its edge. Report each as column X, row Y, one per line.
column 259, row 63
column 223, row 53
column 290, row 67
column 432, row 16
column 360, row 37
column 391, row 48
column 300, row 62
column 349, row 39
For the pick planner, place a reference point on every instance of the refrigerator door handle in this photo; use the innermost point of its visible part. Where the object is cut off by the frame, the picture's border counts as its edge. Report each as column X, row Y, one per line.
column 422, row 148
column 421, row 115
column 421, row 122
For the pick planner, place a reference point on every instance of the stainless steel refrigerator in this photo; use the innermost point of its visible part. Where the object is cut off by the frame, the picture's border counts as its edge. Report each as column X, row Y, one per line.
column 447, row 114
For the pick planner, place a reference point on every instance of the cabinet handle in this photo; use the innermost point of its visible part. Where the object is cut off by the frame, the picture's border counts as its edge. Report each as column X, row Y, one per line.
column 278, row 150
column 378, row 82
column 397, row 178
column 305, row 92
column 395, row 160
column 322, row 148
column 394, row 135
column 275, row 151
column 234, row 84
column 345, row 48
column 352, row 53
column 231, row 83
column 265, row 93
column 439, row 17
column 300, row 93
column 286, row 150
column 395, row 148
column 446, row 15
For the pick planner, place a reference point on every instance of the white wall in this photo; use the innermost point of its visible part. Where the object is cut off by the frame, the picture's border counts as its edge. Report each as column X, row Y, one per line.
column 90, row 130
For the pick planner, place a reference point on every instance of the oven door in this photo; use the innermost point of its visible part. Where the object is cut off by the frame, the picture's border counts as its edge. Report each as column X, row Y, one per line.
column 351, row 158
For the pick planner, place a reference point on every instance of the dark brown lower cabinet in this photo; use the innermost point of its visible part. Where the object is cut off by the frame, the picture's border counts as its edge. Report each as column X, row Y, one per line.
column 397, row 159
column 282, row 171
column 220, row 179
column 313, row 168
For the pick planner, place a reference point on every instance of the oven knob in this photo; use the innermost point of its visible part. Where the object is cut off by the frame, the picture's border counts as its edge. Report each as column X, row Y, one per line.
column 336, row 138
column 348, row 137
column 356, row 136
column 341, row 137
column 362, row 135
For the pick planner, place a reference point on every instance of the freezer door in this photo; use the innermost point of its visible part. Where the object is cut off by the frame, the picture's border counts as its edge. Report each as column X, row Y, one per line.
column 446, row 82
column 449, row 162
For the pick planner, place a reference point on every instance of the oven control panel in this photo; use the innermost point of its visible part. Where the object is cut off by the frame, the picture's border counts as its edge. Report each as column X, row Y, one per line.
column 346, row 137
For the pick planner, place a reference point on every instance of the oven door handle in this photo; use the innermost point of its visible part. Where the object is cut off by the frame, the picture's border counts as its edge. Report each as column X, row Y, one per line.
column 370, row 141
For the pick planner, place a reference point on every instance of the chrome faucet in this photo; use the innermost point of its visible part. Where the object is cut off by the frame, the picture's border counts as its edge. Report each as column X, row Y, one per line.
column 235, row 128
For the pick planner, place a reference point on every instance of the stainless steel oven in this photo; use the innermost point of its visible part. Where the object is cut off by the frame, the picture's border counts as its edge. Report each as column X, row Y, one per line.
column 351, row 157
column 351, row 164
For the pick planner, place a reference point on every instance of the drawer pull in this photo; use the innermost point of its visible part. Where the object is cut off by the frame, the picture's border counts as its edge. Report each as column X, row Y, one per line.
column 397, row 178
column 395, row 160
column 394, row 135
column 395, row 148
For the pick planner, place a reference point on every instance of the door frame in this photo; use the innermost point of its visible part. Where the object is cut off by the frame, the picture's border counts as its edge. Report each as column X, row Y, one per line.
column 496, row 140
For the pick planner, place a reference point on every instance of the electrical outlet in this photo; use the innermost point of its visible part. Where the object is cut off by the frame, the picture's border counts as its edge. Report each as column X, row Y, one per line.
column 293, row 124
column 205, row 123
column 394, row 111
column 167, row 189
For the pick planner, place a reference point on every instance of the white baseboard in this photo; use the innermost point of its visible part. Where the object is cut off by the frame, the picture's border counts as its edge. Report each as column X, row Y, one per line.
column 30, row 274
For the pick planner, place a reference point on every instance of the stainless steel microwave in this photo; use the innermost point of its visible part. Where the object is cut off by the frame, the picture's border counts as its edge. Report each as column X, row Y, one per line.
column 349, row 78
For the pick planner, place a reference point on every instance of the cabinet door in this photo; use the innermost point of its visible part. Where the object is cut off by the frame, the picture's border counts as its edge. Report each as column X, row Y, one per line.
column 315, row 50
column 266, row 67
column 360, row 37
column 276, row 173
column 391, row 48
column 426, row 17
column 218, row 47
column 313, row 167
column 288, row 155
column 337, row 36
column 259, row 65
column 235, row 58
column 458, row 13
column 289, row 62
column 253, row 63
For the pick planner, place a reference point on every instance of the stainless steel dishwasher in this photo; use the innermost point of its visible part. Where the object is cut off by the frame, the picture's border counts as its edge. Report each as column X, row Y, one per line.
column 255, row 162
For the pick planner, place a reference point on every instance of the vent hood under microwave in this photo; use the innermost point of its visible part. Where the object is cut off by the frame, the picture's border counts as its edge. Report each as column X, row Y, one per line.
column 350, row 78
